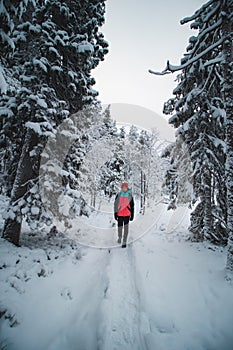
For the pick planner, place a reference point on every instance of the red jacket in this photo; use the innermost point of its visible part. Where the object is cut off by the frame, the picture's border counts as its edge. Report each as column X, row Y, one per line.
column 123, row 207
column 124, row 204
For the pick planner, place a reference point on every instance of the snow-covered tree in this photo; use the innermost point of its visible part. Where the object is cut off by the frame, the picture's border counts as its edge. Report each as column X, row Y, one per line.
column 11, row 15
column 200, row 108
column 56, row 47
column 149, row 163
column 122, row 133
column 133, row 133
column 109, row 124
column 91, row 179
column 178, row 176
column 113, row 171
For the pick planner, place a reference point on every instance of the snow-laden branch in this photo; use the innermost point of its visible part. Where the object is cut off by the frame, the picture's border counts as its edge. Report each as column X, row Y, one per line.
column 202, row 34
column 196, row 14
column 171, row 69
column 219, row 76
column 212, row 13
column 214, row 61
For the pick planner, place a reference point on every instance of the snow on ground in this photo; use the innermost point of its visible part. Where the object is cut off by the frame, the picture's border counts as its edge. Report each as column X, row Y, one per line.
column 99, row 229
column 161, row 292
column 186, row 302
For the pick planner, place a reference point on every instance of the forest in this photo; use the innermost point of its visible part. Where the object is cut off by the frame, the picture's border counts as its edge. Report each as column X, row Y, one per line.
column 63, row 158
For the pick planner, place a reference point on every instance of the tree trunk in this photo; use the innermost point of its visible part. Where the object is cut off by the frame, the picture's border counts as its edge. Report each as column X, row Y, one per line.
column 94, row 199
column 196, row 223
column 26, row 171
column 141, row 194
column 208, row 218
column 227, row 9
column 144, row 193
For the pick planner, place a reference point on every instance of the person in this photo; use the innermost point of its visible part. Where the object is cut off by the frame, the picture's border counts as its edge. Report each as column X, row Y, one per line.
column 124, row 211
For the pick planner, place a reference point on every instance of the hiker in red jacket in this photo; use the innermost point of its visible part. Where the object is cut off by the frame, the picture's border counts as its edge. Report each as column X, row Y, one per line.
column 124, row 211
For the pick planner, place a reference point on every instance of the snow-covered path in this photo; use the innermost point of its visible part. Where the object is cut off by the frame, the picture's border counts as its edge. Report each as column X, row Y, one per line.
column 161, row 292
column 121, row 305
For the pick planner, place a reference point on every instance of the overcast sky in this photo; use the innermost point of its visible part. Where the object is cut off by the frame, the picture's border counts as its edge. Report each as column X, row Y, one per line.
column 142, row 35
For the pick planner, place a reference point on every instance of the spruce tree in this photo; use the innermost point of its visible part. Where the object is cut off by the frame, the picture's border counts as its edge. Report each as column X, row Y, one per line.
column 56, row 47
column 202, row 110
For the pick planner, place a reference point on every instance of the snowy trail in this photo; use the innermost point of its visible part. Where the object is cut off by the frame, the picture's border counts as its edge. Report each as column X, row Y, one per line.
column 160, row 293
column 81, row 333
column 120, row 308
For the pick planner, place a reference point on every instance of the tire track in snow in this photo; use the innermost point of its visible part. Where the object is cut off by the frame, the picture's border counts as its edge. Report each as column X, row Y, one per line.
column 121, row 324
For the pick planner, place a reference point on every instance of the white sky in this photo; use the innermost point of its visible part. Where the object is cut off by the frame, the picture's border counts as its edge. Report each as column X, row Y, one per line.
column 142, row 35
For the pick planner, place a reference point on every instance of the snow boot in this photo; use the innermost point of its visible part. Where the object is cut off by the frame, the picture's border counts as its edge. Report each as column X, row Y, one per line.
column 124, row 245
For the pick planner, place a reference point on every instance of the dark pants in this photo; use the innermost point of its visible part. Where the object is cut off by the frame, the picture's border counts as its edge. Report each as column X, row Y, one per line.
column 123, row 220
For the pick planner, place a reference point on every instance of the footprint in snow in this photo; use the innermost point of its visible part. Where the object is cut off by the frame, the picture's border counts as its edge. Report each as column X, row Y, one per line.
column 16, row 283
column 66, row 293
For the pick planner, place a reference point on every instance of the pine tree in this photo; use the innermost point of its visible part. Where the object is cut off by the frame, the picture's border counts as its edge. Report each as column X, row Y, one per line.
column 109, row 124
column 11, row 15
column 114, row 170
column 122, row 133
column 55, row 50
column 179, row 175
column 200, row 109
column 133, row 133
